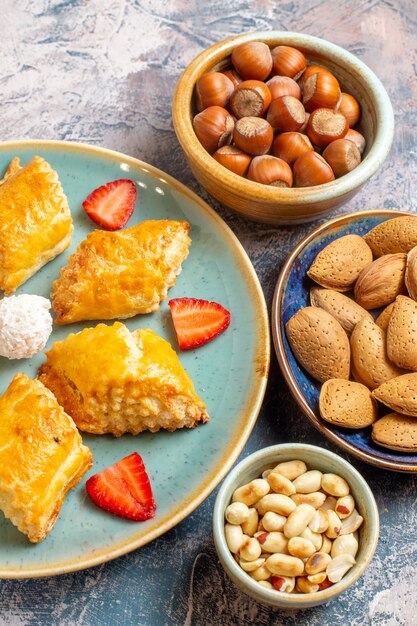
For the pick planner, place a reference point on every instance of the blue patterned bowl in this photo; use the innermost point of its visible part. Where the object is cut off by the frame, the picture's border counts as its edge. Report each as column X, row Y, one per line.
column 292, row 293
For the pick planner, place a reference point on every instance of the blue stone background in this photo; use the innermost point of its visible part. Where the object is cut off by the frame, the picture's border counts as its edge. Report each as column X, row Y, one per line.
column 103, row 72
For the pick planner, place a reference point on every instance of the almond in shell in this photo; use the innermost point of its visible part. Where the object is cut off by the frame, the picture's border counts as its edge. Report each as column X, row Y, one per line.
column 338, row 265
column 396, row 432
column 395, row 235
column 383, row 318
column 370, row 361
column 411, row 273
column 347, row 312
column 381, row 281
column 402, row 334
column 319, row 343
column 399, row 393
column 346, row 403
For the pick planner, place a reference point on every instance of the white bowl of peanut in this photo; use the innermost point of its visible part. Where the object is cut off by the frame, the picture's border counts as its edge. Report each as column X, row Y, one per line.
column 295, row 525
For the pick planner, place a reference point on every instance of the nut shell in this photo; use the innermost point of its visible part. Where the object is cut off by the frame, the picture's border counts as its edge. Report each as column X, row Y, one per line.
column 395, row 235
column 381, row 281
column 410, row 277
column 319, row 343
column 252, row 59
column 383, row 318
column 402, row 334
column 347, row 312
column 348, row 404
column 339, row 264
column 396, row 432
column 399, row 393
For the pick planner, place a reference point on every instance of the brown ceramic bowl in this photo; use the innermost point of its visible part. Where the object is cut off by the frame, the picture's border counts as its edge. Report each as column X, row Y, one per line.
column 292, row 205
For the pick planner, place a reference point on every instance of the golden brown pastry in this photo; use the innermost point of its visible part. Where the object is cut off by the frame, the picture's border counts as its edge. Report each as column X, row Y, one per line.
column 113, row 381
column 35, row 221
column 41, row 456
column 120, row 274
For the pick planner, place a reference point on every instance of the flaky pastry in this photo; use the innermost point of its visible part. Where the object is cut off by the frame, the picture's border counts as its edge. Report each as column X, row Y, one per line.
column 35, row 221
column 120, row 274
column 41, row 456
column 113, row 381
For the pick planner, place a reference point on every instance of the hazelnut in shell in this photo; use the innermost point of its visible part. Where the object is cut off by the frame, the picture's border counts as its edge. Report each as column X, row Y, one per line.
column 283, row 86
column 288, row 61
column 311, row 169
column 286, row 114
column 250, row 98
column 325, row 126
column 289, row 146
column 357, row 138
column 252, row 59
column 321, row 91
column 233, row 159
column 213, row 88
column 253, row 135
column 213, row 127
column 233, row 76
column 343, row 156
column 350, row 107
column 310, row 70
column 269, row 170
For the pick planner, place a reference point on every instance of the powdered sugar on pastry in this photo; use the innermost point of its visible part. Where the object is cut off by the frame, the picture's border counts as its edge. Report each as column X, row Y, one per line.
column 25, row 325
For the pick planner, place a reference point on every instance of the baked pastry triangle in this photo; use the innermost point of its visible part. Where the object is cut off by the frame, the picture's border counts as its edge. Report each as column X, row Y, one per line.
column 35, row 221
column 113, row 381
column 41, row 456
column 120, row 274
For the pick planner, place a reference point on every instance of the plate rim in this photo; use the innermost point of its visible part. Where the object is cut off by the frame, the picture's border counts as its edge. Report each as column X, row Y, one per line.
column 261, row 358
column 295, row 390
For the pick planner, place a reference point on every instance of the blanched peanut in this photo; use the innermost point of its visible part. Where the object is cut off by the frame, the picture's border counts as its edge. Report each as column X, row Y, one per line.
column 298, row 520
column 303, row 548
column 262, row 573
column 280, row 484
column 234, row 537
column 250, row 525
column 251, row 492
column 335, row 525
column 273, row 542
column 308, row 482
column 317, row 579
column 317, row 562
column 305, row 586
column 338, row 567
column 251, row 566
column 250, row 550
column 291, row 469
column 237, row 513
column 315, row 538
column 326, row 546
column 283, row 583
column 329, row 503
column 334, row 485
column 284, row 565
column 315, row 499
column 351, row 523
column 344, row 544
column 260, row 528
column 344, row 506
column 265, row 583
column 319, row 522
column 275, row 502
column 273, row 521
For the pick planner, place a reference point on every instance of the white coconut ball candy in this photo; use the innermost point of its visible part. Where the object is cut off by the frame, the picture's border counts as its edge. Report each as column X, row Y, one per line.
column 25, row 325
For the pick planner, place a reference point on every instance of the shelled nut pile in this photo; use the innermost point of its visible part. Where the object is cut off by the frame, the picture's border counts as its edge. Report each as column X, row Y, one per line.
column 294, row 529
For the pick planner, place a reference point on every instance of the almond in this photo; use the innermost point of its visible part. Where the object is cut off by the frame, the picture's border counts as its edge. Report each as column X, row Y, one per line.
column 346, row 403
column 395, row 235
column 383, row 318
column 370, row 361
column 381, row 281
column 319, row 343
column 399, row 393
column 402, row 334
column 411, row 273
column 338, row 265
column 347, row 312
column 396, row 431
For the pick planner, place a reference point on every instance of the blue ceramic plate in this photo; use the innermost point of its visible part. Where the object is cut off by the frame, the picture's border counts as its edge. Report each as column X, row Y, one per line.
column 229, row 373
column 292, row 293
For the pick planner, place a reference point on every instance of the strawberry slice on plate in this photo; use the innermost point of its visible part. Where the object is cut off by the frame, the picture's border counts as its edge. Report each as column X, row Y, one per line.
column 124, row 489
column 112, row 204
column 197, row 321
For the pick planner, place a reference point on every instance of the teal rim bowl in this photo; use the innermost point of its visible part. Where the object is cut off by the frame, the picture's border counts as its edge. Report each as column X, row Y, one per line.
column 315, row 458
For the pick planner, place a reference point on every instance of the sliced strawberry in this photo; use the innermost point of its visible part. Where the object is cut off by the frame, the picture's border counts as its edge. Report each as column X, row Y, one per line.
column 197, row 321
column 124, row 489
column 111, row 205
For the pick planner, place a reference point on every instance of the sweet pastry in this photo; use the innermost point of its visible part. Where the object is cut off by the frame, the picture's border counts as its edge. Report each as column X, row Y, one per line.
column 113, row 381
column 35, row 221
column 41, row 456
column 120, row 274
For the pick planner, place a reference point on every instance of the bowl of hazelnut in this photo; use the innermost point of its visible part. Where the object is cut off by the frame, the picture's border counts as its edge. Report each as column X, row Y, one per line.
column 282, row 127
